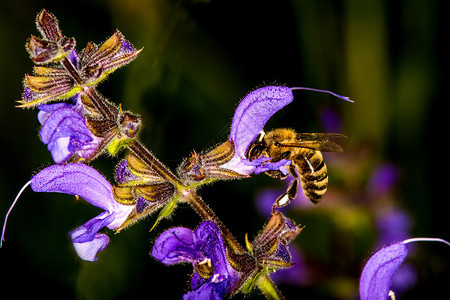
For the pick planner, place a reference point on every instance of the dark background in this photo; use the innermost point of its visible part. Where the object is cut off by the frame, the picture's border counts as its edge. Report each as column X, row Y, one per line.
column 199, row 59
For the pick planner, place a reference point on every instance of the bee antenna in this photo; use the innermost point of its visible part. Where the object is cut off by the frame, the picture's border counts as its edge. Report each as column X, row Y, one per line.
column 323, row 91
column 10, row 209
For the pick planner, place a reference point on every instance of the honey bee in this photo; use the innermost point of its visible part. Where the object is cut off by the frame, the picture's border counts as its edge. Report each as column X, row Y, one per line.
column 304, row 152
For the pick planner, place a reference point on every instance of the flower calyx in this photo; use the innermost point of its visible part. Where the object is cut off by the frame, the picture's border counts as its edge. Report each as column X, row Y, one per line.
column 74, row 73
column 116, row 129
column 53, row 46
column 141, row 186
column 267, row 253
column 206, row 167
column 204, row 248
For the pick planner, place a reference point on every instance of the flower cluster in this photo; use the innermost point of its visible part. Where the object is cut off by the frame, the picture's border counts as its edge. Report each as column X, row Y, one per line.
column 80, row 129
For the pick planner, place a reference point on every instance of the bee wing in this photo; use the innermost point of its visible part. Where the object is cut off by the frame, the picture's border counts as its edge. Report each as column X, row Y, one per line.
column 316, row 141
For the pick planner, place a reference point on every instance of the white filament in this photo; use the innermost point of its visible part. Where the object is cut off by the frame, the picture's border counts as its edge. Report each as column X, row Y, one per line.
column 323, row 91
column 425, row 240
column 9, row 211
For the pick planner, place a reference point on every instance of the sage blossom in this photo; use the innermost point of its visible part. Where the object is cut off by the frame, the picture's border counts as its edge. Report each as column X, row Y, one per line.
column 90, row 185
column 204, row 248
column 378, row 273
column 65, row 132
column 249, row 120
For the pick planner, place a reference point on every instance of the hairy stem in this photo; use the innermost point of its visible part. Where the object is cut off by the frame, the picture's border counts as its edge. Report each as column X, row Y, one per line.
column 148, row 158
column 207, row 214
column 268, row 288
column 88, row 90
column 188, row 194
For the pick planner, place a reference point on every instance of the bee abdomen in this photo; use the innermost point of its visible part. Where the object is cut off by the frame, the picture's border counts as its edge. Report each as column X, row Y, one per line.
column 313, row 176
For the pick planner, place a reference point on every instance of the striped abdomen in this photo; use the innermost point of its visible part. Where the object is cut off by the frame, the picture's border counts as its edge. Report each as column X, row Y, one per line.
column 313, row 174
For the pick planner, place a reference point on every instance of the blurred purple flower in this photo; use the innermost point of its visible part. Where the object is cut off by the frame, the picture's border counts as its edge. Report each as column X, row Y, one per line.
column 204, row 248
column 330, row 120
column 383, row 179
column 266, row 198
column 297, row 275
column 86, row 182
column 393, row 225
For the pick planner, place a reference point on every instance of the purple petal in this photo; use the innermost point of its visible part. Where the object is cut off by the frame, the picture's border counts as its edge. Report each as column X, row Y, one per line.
column 176, row 245
column 64, row 131
column 73, row 58
column 126, row 47
column 249, row 119
column 210, row 291
column 88, row 230
column 123, row 173
column 28, row 95
column 84, row 181
column 273, row 166
column 376, row 277
column 75, row 179
column 86, row 239
column 88, row 250
column 208, row 240
column 253, row 113
column 45, row 110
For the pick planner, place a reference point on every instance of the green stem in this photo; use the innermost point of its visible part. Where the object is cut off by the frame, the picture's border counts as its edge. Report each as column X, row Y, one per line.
column 150, row 160
column 88, row 90
column 187, row 193
column 268, row 288
column 207, row 214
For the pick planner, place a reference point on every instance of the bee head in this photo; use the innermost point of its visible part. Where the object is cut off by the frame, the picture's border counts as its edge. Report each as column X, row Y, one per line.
column 256, row 147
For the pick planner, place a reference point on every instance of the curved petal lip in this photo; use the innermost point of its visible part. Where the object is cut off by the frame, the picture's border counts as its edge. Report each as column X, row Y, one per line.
column 376, row 277
column 76, row 179
column 254, row 111
column 249, row 119
column 88, row 250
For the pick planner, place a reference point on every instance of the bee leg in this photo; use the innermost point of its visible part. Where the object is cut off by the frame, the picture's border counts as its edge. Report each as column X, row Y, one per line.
column 278, row 158
column 275, row 174
column 291, row 192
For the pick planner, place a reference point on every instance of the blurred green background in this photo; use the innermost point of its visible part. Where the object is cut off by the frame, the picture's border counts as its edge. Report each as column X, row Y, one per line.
column 199, row 59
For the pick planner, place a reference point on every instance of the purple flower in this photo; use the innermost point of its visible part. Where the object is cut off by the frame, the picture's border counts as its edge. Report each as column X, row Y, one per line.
column 204, row 248
column 86, row 182
column 377, row 275
column 65, row 132
column 393, row 225
column 249, row 119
